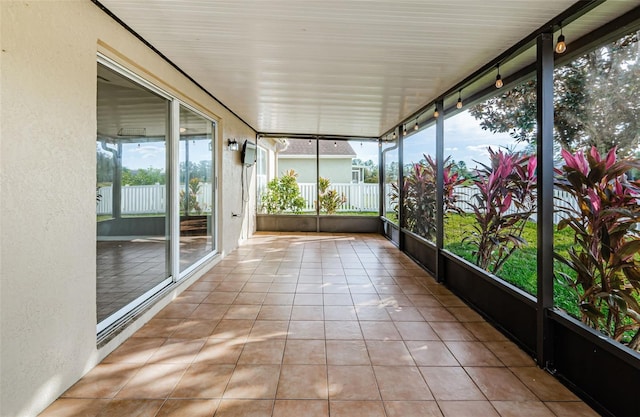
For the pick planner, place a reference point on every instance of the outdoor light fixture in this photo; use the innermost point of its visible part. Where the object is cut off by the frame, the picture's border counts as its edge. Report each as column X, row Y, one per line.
column 436, row 113
column 232, row 144
column 404, row 130
column 335, row 144
column 309, row 141
column 561, row 46
column 394, row 135
column 499, row 82
column 459, row 103
column 416, row 127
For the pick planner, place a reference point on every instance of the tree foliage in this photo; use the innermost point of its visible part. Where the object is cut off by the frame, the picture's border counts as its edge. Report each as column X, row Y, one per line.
column 283, row 195
column 596, row 99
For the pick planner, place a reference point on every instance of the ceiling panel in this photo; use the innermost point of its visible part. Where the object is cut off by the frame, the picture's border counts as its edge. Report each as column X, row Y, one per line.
column 341, row 67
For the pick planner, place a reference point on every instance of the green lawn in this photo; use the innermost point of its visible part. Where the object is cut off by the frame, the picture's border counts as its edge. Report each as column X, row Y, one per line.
column 520, row 268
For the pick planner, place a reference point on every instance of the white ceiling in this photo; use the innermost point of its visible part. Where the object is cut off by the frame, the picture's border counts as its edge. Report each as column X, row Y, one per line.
column 338, row 67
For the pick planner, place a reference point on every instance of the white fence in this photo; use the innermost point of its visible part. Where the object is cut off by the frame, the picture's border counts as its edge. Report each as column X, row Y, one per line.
column 360, row 197
column 147, row 199
column 152, row 199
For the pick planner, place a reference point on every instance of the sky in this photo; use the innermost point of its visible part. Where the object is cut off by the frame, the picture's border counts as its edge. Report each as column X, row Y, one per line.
column 464, row 141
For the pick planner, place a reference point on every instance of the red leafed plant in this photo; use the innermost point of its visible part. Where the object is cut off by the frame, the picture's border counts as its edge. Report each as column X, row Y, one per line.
column 419, row 188
column 503, row 204
column 604, row 212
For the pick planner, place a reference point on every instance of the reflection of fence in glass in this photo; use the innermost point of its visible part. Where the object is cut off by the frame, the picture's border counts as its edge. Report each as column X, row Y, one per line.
column 147, row 199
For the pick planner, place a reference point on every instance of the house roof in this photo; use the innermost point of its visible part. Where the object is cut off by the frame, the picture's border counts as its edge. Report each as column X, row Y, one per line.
column 303, row 147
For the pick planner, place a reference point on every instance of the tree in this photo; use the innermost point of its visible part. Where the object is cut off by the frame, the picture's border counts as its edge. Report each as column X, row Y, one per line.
column 143, row 176
column 595, row 96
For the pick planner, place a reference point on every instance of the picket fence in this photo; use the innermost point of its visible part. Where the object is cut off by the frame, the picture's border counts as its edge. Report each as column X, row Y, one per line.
column 152, row 199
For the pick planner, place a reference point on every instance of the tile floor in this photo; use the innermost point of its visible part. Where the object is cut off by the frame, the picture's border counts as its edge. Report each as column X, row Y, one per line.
column 317, row 325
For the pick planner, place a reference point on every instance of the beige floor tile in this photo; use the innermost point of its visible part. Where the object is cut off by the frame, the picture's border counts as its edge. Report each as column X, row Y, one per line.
column 203, row 381
column 389, row 352
column 473, row 354
column 451, row 331
column 377, row 313
column 177, row 351
column 352, row 383
column 103, row 381
column 522, row 409
column 194, row 329
column 401, row 313
column 80, row 407
column 412, row 409
column 305, row 352
column 282, row 288
column 190, row 408
column 431, row 353
column 210, row 311
column 485, row 332
column 131, row 408
column 135, row 350
column 510, row 354
column 244, row 408
column 424, row 300
column 348, row 330
column 279, row 299
column 571, row 409
column 336, row 299
column 307, row 299
column 233, row 329
column 303, row 382
column 242, row 312
column 199, row 286
column 347, row 352
column 306, row 330
column 465, row 314
column 176, row 311
column 250, row 298
column 379, row 330
column 467, row 409
column 451, row 384
column 299, row 408
column 357, row 409
column 253, row 381
column 273, row 312
column 500, row 384
column 401, row 383
column 269, row 329
column 221, row 297
column 546, row 387
column 340, row 313
column 219, row 351
column 262, row 352
column 307, row 313
column 436, row 314
column 153, row 381
column 416, row 330
column 158, row 328
column 257, row 287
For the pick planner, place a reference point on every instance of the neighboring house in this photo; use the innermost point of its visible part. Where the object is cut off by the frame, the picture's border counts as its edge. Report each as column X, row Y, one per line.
column 335, row 160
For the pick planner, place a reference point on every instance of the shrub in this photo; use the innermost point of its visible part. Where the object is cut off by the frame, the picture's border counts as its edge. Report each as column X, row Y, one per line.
column 283, row 195
column 419, row 189
column 190, row 204
column 605, row 216
column 508, row 181
column 330, row 200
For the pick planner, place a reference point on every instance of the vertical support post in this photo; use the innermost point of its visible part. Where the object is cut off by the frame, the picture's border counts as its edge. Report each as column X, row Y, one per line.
column 173, row 157
column 401, row 196
column 116, row 189
column 381, row 180
column 544, row 72
column 317, row 185
column 439, row 191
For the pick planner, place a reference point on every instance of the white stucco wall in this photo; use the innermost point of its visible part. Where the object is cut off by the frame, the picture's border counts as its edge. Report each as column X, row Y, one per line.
column 47, row 189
